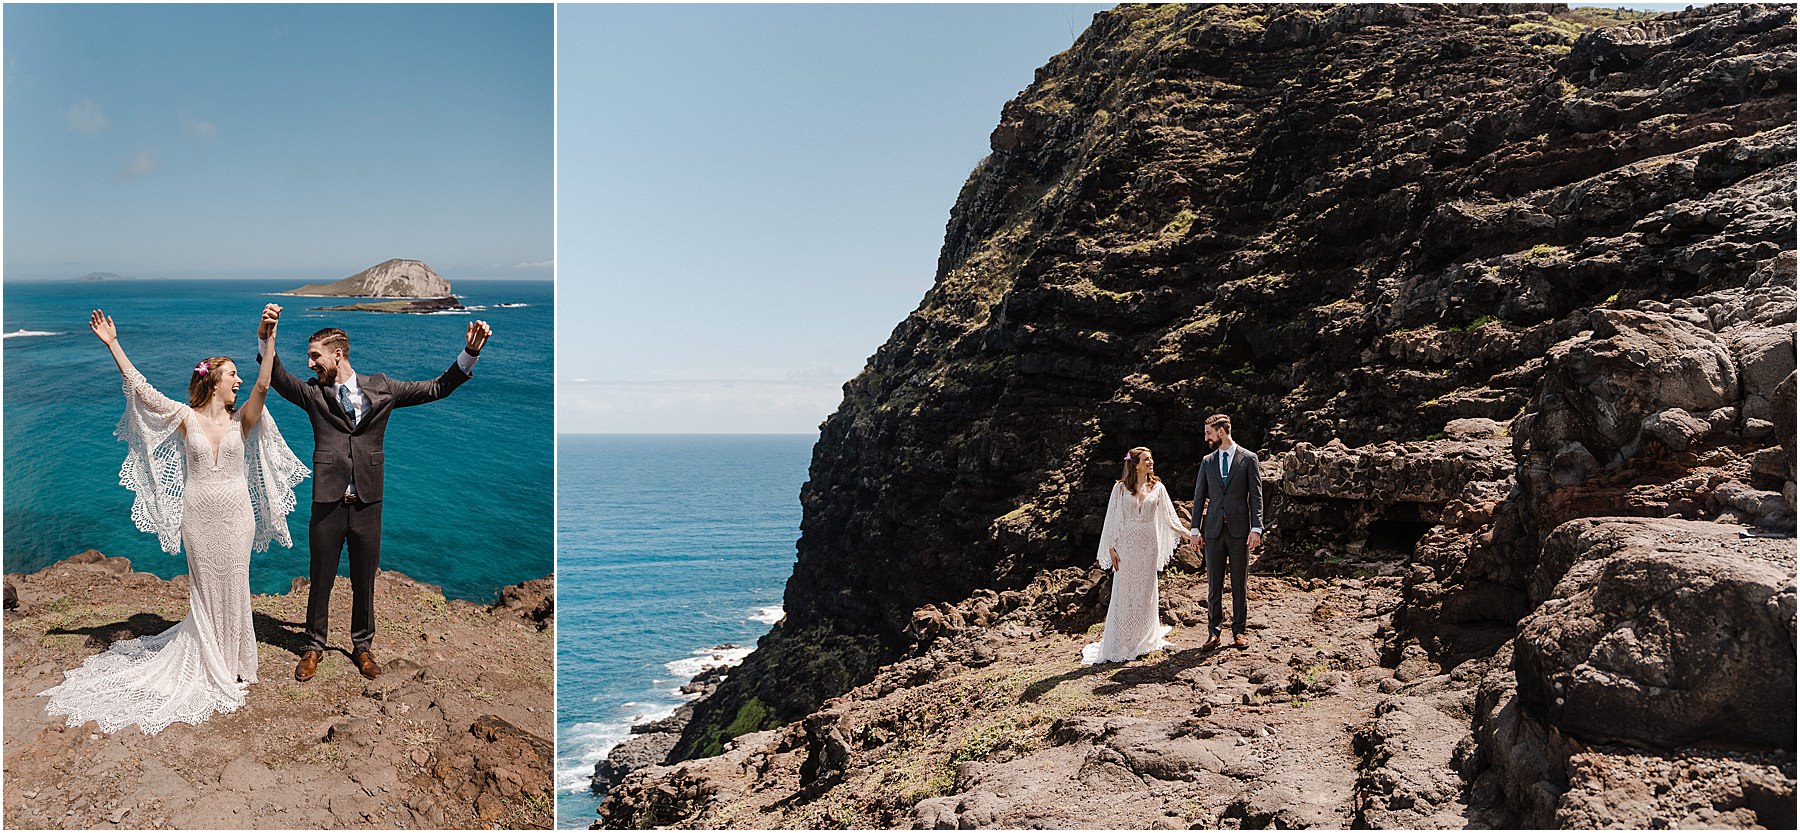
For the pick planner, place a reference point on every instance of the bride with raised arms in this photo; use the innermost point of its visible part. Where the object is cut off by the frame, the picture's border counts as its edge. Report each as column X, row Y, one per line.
column 212, row 475
column 1140, row 533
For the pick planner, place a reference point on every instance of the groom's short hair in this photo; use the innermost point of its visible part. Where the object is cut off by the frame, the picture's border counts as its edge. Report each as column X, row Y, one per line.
column 1220, row 421
column 331, row 337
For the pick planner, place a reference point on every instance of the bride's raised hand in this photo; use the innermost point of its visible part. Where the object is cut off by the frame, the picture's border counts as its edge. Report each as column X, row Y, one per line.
column 102, row 325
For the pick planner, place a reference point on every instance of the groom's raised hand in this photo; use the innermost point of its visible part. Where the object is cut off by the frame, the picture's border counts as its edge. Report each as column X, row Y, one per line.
column 478, row 336
column 270, row 315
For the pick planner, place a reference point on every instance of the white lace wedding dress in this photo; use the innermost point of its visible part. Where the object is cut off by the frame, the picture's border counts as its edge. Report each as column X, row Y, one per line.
column 222, row 503
column 1145, row 530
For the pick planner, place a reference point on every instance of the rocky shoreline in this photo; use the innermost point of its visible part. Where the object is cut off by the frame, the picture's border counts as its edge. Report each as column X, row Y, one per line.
column 406, row 305
column 651, row 743
column 453, row 735
column 1505, row 297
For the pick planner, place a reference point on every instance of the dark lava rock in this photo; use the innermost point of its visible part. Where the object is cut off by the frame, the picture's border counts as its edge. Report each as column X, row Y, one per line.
column 1663, row 633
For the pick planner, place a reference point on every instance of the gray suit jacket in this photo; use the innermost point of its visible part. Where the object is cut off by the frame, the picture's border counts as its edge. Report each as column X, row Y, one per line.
column 1231, row 502
column 339, row 450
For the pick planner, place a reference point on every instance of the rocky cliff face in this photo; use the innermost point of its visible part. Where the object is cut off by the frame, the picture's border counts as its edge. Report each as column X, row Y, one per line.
column 394, row 278
column 1464, row 275
column 453, row 735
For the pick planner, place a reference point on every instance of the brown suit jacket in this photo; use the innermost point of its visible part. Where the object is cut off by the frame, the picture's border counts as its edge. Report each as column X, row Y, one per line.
column 339, row 450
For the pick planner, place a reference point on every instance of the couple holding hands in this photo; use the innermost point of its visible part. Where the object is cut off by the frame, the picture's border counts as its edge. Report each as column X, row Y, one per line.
column 1142, row 530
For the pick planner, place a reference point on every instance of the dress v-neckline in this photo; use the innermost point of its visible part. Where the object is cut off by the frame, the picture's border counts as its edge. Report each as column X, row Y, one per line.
column 215, row 446
column 1143, row 497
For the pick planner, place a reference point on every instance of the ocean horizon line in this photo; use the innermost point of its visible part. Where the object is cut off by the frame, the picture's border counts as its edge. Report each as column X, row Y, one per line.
column 685, row 434
column 159, row 278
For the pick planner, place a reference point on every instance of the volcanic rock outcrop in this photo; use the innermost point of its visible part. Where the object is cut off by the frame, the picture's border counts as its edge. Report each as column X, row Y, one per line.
column 1505, row 296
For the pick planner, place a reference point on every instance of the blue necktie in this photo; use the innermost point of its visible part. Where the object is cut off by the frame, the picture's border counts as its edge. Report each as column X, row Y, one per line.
column 344, row 400
column 1224, row 465
column 349, row 411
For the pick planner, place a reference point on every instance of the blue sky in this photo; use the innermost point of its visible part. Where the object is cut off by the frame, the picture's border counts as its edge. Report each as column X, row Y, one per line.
column 751, row 197
column 289, row 141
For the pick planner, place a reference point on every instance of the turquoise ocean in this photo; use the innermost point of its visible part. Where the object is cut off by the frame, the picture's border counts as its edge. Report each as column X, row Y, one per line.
column 469, row 501
column 674, row 553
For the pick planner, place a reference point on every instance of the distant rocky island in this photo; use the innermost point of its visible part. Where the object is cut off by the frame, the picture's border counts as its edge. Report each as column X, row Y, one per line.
column 408, row 286
column 104, row 276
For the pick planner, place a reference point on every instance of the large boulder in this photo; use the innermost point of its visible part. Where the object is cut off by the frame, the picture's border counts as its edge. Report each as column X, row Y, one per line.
column 1601, row 386
column 1766, row 356
column 1662, row 633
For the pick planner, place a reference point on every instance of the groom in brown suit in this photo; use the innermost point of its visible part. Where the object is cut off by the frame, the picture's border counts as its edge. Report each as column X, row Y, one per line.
column 1228, row 522
column 349, row 413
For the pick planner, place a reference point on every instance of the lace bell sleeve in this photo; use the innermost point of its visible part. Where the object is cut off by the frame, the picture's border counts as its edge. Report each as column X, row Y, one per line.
column 1168, row 527
column 272, row 472
column 155, row 468
column 1109, row 532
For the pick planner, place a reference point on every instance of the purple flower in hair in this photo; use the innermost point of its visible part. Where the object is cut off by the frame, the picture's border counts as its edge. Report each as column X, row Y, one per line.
column 203, row 368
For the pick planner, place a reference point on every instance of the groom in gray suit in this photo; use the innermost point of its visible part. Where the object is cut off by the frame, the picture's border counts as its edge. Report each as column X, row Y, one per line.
column 349, row 413
column 1228, row 512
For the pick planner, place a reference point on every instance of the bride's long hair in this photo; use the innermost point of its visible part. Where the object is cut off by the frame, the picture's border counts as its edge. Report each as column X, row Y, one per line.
column 1129, row 476
column 202, row 385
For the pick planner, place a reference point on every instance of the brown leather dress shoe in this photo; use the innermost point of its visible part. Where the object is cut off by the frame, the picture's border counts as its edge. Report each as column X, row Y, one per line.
column 1211, row 643
column 309, row 665
column 365, row 662
column 1241, row 640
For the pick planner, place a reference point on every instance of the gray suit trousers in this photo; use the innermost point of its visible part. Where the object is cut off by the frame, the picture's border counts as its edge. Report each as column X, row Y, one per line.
column 1231, row 551
column 335, row 524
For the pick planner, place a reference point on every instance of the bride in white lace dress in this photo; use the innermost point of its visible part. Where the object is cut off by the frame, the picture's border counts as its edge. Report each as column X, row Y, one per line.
column 221, row 482
column 1140, row 533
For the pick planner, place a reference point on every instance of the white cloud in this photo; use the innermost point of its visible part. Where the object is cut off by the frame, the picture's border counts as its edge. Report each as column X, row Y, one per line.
column 144, row 163
column 696, row 407
column 198, row 128
column 85, row 117
column 536, row 264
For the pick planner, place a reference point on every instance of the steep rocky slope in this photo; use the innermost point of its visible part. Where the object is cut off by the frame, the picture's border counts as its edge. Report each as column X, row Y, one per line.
column 454, row 734
column 1466, row 275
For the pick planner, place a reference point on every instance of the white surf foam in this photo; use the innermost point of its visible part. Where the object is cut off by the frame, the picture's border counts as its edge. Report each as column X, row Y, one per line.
column 706, row 659
column 586, row 744
column 768, row 615
column 22, row 333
